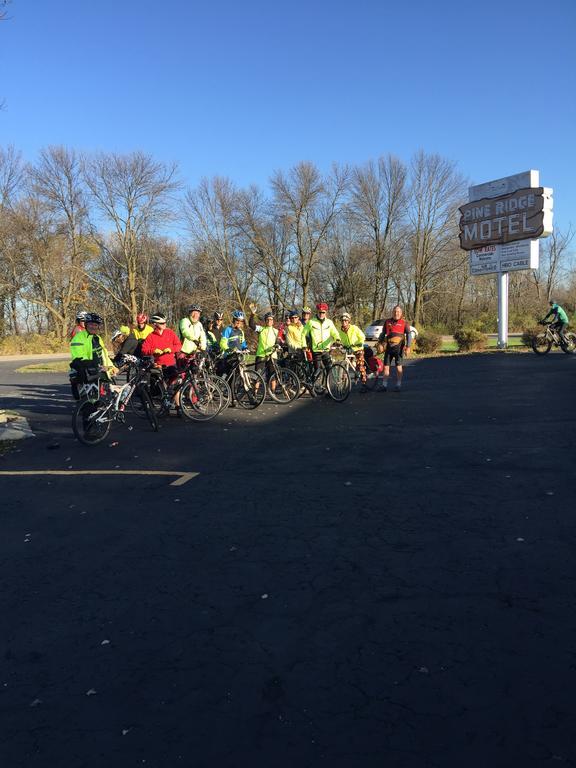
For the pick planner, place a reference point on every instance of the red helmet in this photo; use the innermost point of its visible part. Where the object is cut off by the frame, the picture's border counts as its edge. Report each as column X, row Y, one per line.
column 322, row 307
column 141, row 319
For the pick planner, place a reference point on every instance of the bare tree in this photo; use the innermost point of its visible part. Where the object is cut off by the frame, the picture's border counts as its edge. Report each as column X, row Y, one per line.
column 57, row 183
column 135, row 195
column 309, row 204
column 11, row 177
column 266, row 237
column 436, row 191
column 554, row 254
column 210, row 212
column 377, row 203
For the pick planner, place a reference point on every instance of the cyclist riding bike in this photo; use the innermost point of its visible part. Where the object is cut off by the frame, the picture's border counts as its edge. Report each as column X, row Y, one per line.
column 163, row 344
column 88, row 354
column 218, row 327
column 294, row 333
column 353, row 338
column 305, row 316
column 268, row 337
column 142, row 329
column 560, row 321
column 80, row 324
column 211, row 342
column 123, row 343
column 321, row 333
column 192, row 331
column 232, row 337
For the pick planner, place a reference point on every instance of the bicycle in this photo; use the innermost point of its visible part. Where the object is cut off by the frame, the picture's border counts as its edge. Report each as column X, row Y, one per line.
column 334, row 381
column 542, row 343
column 92, row 419
column 350, row 363
column 247, row 386
column 199, row 395
column 283, row 384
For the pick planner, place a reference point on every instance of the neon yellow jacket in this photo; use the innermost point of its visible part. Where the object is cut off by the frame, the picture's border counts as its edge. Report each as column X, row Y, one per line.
column 193, row 336
column 354, row 338
column 322, row 335
column 267, row 338
column 295, row 337
column 82, row 348
column 144, row 333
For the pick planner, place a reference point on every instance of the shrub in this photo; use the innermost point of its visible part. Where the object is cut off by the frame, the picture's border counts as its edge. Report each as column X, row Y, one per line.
column 469, row 339
column 31, row 344
column 428, row 342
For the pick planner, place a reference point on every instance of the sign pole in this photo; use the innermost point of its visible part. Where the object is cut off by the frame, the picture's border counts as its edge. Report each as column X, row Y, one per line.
column 503, row 309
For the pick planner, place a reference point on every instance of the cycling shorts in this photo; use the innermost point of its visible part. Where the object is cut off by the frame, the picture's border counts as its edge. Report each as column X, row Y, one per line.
column 394, row 353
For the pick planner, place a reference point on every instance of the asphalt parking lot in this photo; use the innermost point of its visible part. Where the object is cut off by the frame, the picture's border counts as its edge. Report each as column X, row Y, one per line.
column 388, row 582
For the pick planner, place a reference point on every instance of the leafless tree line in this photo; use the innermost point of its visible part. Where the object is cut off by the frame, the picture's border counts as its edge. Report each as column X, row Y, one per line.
column 119, row 234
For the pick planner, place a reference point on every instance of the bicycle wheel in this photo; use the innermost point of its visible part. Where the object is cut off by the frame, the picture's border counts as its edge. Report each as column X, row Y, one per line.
column 201, row 399
column 85, row 426
column 137, row 405
column 541, row 343
column 283, row 386
column 338, row 383
column 148, row 407
column 222, row 384
column 251, row 394
column 570, row 346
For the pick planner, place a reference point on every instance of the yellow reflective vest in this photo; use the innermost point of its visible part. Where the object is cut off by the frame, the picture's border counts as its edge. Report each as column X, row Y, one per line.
column 322, row 334
column 354, row 338
column 88, row 346
column 267, row 338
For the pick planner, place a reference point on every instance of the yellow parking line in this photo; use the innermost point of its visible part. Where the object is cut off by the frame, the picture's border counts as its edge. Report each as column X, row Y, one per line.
column 181, row 477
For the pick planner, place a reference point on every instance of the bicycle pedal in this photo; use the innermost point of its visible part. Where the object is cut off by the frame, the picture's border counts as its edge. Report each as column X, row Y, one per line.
column 121, row 417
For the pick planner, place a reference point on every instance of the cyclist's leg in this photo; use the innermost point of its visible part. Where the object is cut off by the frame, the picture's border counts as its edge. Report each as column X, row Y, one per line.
column 360, row 364
column 269, row 372
column 386, row 372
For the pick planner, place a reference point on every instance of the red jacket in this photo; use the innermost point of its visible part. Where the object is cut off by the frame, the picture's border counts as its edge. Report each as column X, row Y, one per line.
column 164, row 340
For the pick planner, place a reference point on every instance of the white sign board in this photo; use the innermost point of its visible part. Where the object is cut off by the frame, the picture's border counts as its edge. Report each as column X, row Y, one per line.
column 522, row 254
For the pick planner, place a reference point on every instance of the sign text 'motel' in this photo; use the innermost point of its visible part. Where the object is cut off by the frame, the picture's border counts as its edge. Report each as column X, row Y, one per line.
column 522, row 214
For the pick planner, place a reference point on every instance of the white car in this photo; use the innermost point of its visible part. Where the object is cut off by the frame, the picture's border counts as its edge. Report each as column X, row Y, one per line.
column 374, row 330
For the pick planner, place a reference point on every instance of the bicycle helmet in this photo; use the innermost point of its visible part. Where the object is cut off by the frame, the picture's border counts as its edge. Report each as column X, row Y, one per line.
column 293, row 313
column 322, row 306
column 81, row 316
column 193, row 308
column 345, row 316
column 93, row 317
column 117, row 333
column 218, row 315
column 159, row 317
column 268, row 314
column 238, row 315
column 141, row 319
column 306, row 311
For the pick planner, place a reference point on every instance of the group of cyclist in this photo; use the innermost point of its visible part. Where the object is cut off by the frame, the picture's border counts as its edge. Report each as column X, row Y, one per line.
column 307, row 334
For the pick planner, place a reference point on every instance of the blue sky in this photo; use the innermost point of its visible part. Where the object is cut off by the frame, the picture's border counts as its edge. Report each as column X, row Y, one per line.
column 243, row 88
